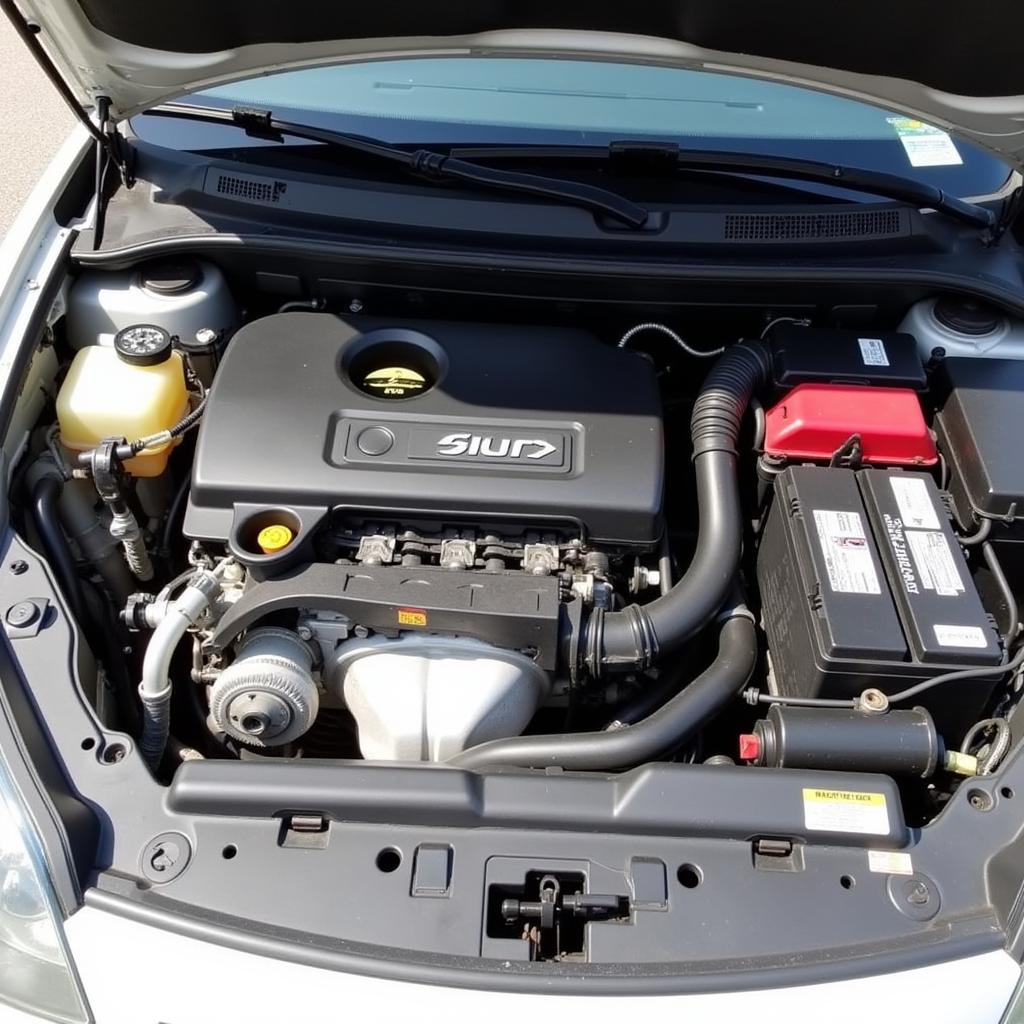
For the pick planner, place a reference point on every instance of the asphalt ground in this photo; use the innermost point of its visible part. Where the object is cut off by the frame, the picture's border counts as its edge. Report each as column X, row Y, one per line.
column 35, row 122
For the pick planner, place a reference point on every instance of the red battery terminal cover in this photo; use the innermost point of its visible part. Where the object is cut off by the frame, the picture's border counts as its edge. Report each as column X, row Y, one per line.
column 814, row 421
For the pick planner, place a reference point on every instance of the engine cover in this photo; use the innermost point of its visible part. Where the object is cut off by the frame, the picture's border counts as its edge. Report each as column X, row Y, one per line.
column 483, row 423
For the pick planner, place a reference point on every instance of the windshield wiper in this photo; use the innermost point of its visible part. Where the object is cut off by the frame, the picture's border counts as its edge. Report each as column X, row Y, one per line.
column 424, row 163
column 667, row 158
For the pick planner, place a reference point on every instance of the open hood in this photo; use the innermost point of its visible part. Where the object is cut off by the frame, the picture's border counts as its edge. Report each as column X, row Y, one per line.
column 953, row 67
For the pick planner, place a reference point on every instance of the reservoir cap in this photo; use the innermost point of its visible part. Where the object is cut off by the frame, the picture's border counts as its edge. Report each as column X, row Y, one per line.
column 143, row 345
column 275, row 538
column 171, row 277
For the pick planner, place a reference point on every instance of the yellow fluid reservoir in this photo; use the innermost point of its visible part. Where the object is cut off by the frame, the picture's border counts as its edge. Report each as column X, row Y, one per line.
column 107, row 395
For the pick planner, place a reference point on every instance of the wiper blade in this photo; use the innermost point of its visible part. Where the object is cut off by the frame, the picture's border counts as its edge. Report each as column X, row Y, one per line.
column 669, row 158
column 424, row 163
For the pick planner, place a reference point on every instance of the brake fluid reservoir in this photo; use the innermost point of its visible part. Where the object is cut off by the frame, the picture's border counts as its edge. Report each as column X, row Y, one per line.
column 132, row 390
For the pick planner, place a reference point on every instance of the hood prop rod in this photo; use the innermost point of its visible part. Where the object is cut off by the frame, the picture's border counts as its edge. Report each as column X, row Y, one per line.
column 110, row 144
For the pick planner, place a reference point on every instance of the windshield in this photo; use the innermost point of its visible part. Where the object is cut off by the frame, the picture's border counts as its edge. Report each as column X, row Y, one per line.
column 458, row 100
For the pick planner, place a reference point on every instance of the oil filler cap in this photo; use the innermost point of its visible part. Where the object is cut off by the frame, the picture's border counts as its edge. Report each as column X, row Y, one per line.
column 275, row 538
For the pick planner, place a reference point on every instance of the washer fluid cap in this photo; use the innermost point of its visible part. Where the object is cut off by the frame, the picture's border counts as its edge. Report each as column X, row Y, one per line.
column 171, row 277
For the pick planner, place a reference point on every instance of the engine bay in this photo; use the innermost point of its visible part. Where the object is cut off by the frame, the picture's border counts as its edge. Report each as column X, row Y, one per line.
column 319, row 533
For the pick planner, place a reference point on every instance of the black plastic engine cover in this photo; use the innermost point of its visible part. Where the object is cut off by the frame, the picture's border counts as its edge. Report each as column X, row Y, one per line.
column 480, row 423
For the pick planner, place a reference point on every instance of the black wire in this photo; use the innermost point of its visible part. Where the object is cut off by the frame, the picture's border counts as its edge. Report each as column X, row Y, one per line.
column 956, row 677
column 996, row 568
column 178, row 429
column 895, row 698
column 805, row 702
column 979, row 536
column 173, row 513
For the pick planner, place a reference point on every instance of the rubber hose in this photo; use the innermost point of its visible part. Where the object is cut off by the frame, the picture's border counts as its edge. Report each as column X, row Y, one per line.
column 155, row 688
column 649, row 699
column 638, row 635
column 669, row 727
column 45, row 497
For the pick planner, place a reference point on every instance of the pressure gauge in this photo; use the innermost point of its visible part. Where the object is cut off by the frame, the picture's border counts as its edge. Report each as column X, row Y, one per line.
column 143, row 344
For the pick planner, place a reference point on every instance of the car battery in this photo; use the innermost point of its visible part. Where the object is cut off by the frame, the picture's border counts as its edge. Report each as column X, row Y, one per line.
column 834, row 598
column 943, row 619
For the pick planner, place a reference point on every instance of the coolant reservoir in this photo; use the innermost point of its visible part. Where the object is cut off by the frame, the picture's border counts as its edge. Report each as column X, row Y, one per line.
column 110, row 392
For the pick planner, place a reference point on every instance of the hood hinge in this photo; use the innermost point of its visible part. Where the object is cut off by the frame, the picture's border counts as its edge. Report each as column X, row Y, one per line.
column 1009, row 214
column 121, row 155
column 111, row 151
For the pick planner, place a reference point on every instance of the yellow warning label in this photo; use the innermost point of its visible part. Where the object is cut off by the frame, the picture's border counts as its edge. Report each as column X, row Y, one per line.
column 844, row 810
column 412, row 617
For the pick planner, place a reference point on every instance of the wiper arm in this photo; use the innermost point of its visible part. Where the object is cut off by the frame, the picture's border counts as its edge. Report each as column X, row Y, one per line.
column 423, row 163
column 669, row 158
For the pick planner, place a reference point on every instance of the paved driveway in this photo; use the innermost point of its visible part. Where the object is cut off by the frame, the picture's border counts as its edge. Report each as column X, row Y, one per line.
column 35, row 122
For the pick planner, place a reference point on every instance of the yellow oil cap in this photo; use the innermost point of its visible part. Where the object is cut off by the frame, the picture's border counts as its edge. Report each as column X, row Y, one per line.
column 272, row 539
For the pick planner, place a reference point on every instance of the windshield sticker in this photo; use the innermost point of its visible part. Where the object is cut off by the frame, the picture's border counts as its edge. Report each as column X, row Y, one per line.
column 925, row 146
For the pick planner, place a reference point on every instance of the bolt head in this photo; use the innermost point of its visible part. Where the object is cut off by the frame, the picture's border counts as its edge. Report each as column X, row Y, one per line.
column 22, row 614
column 19, row 566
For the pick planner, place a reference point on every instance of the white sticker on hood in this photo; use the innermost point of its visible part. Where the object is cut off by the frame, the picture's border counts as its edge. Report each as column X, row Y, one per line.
column 890, row 862
column 925, row 146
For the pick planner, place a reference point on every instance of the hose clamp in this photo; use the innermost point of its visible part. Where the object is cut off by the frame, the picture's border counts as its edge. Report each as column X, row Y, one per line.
column 645, row 640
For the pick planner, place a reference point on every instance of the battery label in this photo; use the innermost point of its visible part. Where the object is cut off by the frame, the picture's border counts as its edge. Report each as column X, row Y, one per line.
column 934, row 561
column 915, row 504
column 961, row 636
column 872, row 352
column 846, row 552
column 842, row 810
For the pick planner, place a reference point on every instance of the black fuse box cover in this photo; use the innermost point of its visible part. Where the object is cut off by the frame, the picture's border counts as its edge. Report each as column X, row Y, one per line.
column 819, row 355
column 977, row 425
column 833, row 625
column 941, row 611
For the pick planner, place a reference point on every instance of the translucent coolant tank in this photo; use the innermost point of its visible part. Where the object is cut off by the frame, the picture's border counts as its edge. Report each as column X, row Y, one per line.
column 108, row 393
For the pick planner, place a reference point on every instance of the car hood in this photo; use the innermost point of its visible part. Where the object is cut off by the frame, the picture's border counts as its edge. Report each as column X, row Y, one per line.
column 952, row 68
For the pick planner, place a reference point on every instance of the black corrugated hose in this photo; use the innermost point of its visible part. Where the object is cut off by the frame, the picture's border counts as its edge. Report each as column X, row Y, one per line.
column 639, row 635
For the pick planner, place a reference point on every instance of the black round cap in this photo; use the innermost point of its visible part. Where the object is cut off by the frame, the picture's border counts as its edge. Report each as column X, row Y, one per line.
column 375, row 441
column 966, row 316
column 171, row 277
column 143, row 345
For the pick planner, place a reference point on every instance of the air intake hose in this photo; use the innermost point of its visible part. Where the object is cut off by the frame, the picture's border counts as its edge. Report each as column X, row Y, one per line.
column 638, row 635
column 666, row 729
